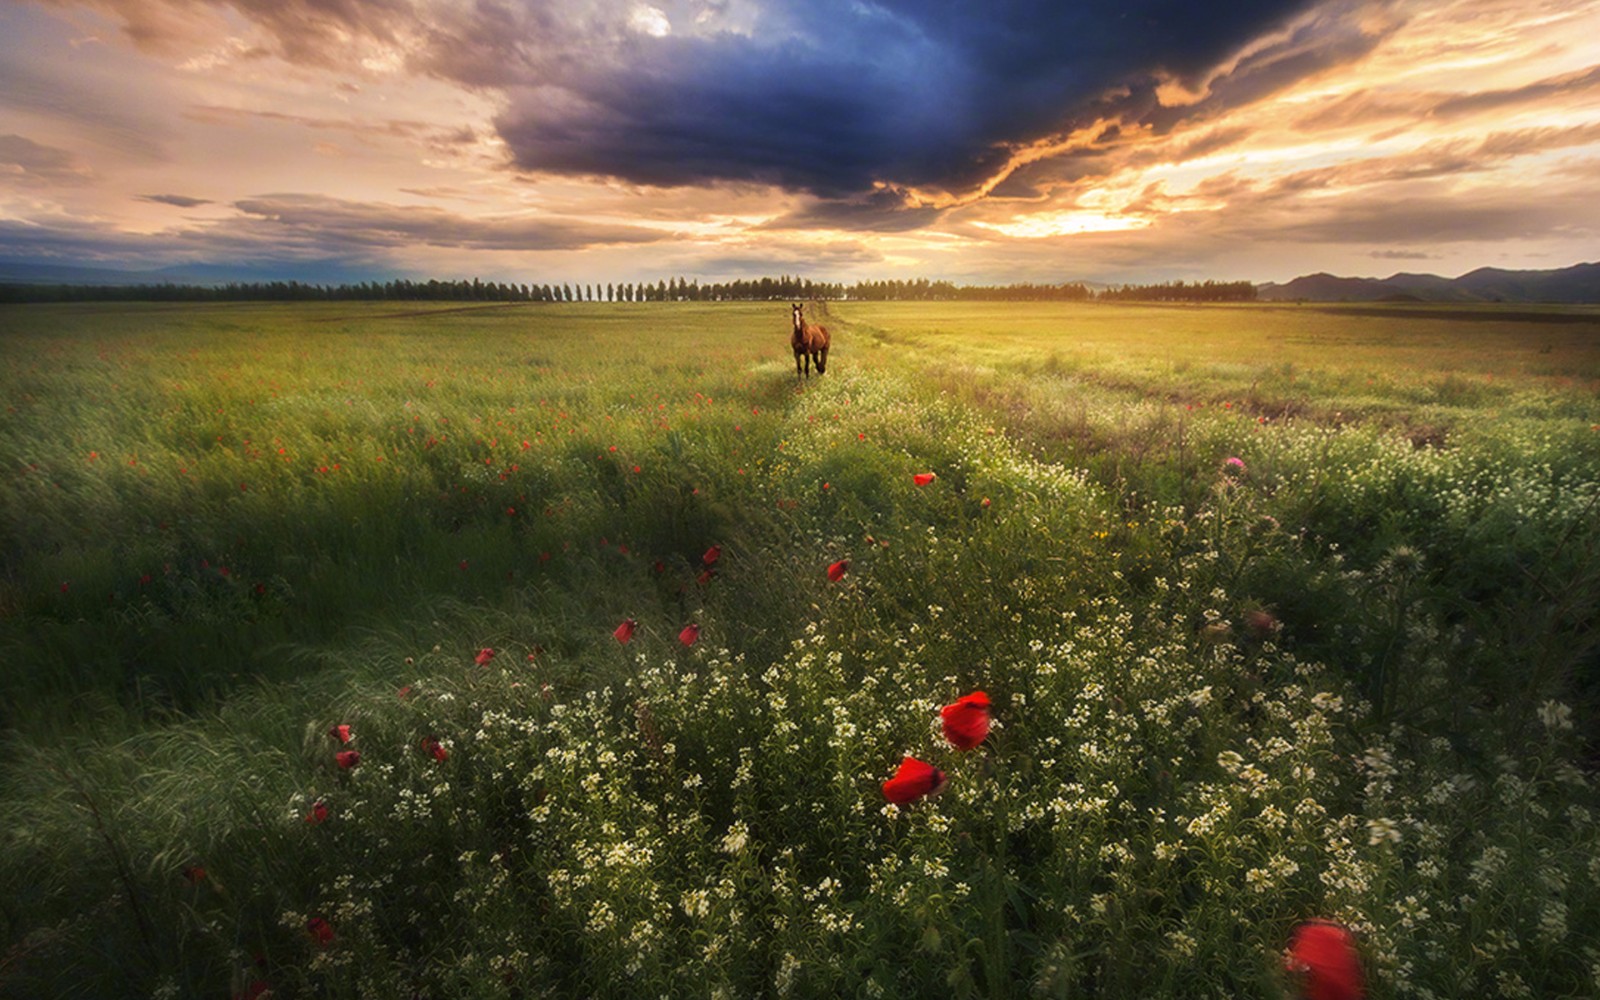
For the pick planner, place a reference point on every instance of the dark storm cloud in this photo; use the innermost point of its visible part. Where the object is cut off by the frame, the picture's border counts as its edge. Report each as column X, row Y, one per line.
column 917, row 92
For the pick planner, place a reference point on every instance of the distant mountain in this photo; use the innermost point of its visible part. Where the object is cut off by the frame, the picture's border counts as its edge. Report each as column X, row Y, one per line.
column 1578, row 283
column 308, row 272
column 25, row 273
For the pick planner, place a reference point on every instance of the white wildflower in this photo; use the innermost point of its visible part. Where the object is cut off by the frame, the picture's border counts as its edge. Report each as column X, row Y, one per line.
column 738, row 835
column 1555, row 716
column 1381, row 829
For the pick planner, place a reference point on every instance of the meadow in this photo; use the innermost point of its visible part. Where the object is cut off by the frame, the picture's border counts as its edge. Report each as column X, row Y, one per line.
column 315, row 683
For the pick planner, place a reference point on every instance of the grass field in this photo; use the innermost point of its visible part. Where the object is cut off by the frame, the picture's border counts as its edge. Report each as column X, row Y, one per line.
column 1284, row 612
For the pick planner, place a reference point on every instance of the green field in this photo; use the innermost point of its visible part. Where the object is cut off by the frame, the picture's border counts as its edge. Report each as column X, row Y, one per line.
column 1285, row 612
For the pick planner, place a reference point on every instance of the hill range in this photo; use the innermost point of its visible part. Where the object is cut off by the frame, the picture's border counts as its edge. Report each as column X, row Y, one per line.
column 1579, row 283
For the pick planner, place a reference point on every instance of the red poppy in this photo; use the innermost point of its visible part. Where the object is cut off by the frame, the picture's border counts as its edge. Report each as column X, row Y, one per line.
column 712, row 555
column 912, row 781
column 689, row 634
column 1262, row 623
column 923, row 478
column 320, row 930
column 434, row 747
column 483, row 657
column 404, row 692
column 341, row 732
column 705, row 576
column 966, row 723
column 254, row 991
column 1325, row 954
column 194, row 874
column 837, row 571
column 348, row 758
column 318, row 813
column 624, row 631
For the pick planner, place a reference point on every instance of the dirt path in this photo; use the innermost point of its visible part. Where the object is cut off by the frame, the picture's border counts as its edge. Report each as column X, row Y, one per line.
column 421, row 312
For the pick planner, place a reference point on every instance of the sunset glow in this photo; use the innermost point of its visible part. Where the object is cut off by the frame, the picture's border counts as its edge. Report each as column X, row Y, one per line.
column 620, row 140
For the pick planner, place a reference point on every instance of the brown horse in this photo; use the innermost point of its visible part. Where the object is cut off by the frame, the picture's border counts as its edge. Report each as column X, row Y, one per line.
column 810, row 342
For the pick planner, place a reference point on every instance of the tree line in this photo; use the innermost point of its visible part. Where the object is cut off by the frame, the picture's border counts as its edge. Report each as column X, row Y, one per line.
column 665, row 290
column 1178, row 291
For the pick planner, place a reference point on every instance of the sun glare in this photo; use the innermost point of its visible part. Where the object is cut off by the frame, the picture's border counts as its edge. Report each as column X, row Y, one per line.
column 650, row 21
column 1066, row 224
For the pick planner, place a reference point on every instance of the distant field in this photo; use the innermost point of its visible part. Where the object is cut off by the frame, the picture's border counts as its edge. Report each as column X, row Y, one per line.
column 1284, row 611
column 1560, row 343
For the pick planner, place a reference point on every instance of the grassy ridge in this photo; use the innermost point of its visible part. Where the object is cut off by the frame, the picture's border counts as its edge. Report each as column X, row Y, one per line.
column 1339, row 681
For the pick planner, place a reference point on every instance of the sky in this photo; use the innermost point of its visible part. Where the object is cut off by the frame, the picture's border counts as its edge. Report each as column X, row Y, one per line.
column 977, row 142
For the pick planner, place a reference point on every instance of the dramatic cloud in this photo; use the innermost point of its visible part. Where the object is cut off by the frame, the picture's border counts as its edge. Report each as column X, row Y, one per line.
column 73, row 99
column 25, row 162
column 826, row 96
column 1016, row 140
column 176, row 200
column 429, row 134
column 332, row 222
column 1399, row 255
column 1565, row 87
column 300, row 228
column 882, row 211
column 1434, row 216
column 831, row 96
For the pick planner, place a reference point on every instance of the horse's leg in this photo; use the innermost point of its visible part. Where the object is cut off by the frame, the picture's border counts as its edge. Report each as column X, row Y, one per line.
column 822, row 361
column 797, row 353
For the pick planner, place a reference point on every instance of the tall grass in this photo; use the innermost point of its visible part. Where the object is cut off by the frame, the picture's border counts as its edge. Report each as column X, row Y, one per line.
column 1350, row 675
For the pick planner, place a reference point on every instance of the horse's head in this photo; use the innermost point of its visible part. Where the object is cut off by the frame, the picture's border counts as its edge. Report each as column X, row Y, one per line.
column 799, row 315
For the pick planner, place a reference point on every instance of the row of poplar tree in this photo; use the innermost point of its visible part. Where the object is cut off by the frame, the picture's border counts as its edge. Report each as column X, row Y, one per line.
column 674, row 290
